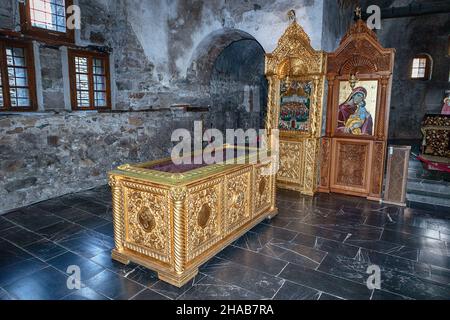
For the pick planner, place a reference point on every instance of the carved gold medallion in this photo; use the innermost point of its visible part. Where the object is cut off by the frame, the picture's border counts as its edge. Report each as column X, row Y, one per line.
column 146, row 219
column 204, row 215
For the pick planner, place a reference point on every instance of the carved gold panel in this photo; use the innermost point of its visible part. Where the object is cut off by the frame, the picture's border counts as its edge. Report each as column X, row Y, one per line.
column 238, row 200
column 147, row 217
column 311, row 154
column 291, row 162
column 296, row 74
column 262, row 189
column 294, row 55
column 204, row 226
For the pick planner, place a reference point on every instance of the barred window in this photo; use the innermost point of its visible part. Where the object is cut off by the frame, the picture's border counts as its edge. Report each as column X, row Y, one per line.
column 99, row 83
column 17, row 92
column 46, row 19
column 421, row 67
column 89, row 80
column 48, row 14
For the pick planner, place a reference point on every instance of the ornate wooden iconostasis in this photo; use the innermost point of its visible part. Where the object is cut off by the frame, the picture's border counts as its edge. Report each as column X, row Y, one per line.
column 296, row 76
column 359, row 84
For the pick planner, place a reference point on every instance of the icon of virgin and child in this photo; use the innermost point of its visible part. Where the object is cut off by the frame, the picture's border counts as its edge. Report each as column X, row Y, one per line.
column 353, row 116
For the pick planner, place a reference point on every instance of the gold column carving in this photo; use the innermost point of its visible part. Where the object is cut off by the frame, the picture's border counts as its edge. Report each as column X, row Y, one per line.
column 178, row 196
column 118, row 219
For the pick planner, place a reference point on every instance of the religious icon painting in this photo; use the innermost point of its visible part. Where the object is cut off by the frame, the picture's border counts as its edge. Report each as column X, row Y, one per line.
column 295, row 105
column 357, row 107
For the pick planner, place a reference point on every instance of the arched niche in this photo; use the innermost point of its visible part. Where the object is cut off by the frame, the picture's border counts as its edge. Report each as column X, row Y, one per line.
column 206, row 53
column 228, row 64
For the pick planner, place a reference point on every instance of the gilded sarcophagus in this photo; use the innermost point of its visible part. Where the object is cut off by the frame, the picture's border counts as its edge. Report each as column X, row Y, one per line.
column 173, row 218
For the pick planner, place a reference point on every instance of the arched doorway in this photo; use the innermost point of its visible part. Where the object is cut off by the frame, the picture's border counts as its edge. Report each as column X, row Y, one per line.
column 229, row 64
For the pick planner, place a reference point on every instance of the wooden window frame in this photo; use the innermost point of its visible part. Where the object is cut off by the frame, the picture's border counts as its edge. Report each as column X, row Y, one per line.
column 428, row 66
column 42, row 33
column 31, row 76
column 90, row 55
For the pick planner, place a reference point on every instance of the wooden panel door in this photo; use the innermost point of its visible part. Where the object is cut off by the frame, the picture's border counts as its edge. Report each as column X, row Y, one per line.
column 351, row 172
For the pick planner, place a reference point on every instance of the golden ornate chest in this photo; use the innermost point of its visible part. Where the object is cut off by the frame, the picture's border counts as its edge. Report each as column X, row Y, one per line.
column 172, row 221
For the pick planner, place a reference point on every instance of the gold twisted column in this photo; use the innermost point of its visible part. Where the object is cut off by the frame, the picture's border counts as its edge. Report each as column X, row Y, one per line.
column 118, row 220
column 114, row 183
column 178, row 196
column 273, row 207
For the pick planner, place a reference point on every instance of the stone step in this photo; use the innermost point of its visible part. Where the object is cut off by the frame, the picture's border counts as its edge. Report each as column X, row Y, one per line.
column 428, row 175
column 426, row 199
column 427, row 187
column 427, row 184
column 431, row 193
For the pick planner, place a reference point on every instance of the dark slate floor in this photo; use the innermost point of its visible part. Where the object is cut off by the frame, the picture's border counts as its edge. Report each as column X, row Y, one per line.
column 316, row 248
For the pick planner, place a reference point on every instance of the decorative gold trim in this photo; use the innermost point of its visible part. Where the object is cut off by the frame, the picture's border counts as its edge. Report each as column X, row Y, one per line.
column 118, row 218
column 178, row 196
column 139, row 171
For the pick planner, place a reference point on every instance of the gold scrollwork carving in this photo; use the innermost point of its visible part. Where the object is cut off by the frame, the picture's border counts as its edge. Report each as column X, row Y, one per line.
column 238, row 203
column 290, row 161
column 148, row 223
column 204, row 225
column 178, row 194
column 263, row 188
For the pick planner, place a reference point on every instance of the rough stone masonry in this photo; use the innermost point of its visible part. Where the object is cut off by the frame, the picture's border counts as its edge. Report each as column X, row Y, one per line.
column 162, row 53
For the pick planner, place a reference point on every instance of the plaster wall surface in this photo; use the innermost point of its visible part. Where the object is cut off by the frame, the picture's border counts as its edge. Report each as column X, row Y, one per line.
column 412, row 99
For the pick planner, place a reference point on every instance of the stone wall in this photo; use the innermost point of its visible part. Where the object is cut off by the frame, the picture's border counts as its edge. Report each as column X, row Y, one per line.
column 48, row 155
column 185, row 24
column 336, row 21
column 156, row 43
column 7, row 14
column 51, row 78
column 163, row 53
column 412, row 99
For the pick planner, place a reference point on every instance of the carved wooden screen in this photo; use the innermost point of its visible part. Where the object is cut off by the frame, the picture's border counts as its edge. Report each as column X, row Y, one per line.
column 353, row 150
column 296, row 75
